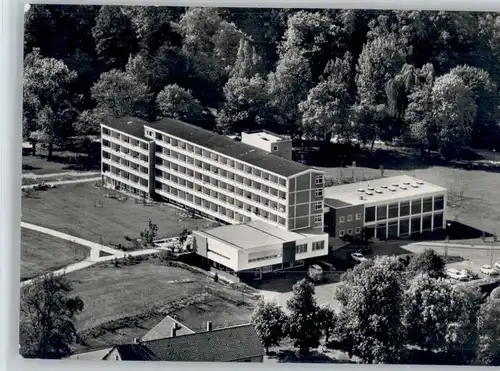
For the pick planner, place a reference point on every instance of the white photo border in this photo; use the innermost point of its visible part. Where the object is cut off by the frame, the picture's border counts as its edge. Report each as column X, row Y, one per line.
column 11, row 64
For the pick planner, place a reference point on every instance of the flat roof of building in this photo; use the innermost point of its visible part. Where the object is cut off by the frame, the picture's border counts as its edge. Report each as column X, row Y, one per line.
column 384, row 189
column 229, row 147
column 132, row 126
column 252, row 234
column 265, row 136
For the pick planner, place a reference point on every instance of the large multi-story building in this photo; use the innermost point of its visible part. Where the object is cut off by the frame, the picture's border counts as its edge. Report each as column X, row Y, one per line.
column 231, row 181
column 385, row 208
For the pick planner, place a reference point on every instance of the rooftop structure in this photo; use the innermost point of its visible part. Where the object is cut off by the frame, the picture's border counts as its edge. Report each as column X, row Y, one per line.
column 269, row 142
column 378, row 190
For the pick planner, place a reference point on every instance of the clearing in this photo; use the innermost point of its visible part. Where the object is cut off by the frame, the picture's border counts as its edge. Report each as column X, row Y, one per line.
column 481, row 205
column 72, row 209
column 127, row 301
column 41, row 253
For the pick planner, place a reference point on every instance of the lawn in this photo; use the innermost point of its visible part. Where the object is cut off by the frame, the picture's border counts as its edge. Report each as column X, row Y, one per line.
column 481, row 206
column 111, row 294
column 41, row 253
column 71, row 209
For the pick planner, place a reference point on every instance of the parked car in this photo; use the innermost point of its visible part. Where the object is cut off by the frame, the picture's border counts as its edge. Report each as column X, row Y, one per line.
column 315, row 273
column 488, row 270
column 358, row 257
column 365, row 250
column 469, row 273
column 457, row 275
column 327, row 266
column 497, row 265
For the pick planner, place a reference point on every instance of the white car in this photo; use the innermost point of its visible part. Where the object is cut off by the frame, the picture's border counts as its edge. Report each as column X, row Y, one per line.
column 497, row 265
column 488, row 270
column 457, row 275
column 358, row 257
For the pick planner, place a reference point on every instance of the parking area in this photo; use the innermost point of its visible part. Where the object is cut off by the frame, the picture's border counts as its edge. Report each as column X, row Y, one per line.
column 465, row 257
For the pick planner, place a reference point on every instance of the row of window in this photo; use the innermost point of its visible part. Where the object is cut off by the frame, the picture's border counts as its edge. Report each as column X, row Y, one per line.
column 216, row 157
column 405, row 208
column 220, row 208
column 205, row 178
column 302, row 248
column 122, row 150
column 260, row 258
column 415, row 224
column 126, row 163
column 343, row 232
column 124, row 138
column 349, row 218
column 199, row 178
column 125, row 175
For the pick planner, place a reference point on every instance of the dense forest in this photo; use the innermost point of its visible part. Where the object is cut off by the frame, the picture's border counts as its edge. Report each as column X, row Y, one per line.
column 427, row 78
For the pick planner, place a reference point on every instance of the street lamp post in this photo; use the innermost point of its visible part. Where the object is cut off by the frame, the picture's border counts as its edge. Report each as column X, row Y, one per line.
column 447, row 241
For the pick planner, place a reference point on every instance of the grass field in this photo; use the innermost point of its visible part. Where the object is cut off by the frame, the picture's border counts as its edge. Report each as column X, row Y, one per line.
column 481, row 206
column 41, row 253
column 112, row 293
column 71, row 209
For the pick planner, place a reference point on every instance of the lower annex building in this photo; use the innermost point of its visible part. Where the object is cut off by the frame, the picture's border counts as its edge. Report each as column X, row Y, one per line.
column 385, row 208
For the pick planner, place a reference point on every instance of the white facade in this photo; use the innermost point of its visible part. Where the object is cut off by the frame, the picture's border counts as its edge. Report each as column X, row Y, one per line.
column 260, row 258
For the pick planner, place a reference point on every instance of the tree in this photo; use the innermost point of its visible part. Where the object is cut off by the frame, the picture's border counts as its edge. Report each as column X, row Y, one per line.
column 248, row 63
column 115, row 36
column 178, row 103
column 49, row 110
column 150, row 233
column 453, row 113
column 427, row 262
column 121, row 94
column 325, row 111
column 435, row 312
column 370, row 123
column 328, row 321
column 485, row 95
column 48, row 312
column 303, row 321
column 313, row 36
column 380, row 60
column 245, row 107
column 155, row 27
column 489, row 333
column 210, row 43
column 269, row 322
column 287, row 87
column 371, row 297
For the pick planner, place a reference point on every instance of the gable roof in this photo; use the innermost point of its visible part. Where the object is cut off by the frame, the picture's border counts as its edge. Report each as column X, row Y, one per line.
column 164, row 327
column 228, row 344
column 232, row 148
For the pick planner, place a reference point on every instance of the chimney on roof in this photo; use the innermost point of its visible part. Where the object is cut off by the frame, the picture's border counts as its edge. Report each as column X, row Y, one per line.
column 360, row 197
column 173, row 331
column 137, row 340
column 209, row 326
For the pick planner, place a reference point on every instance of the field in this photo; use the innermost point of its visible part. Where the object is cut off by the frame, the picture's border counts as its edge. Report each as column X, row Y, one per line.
column 41, row 253
column 113, row 294
column 71, row 209
column 481, row 205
